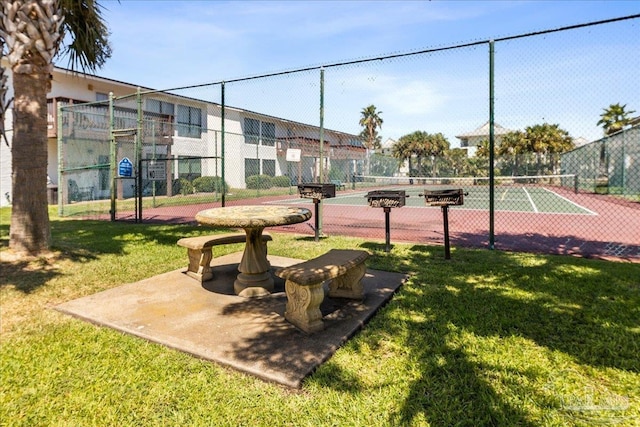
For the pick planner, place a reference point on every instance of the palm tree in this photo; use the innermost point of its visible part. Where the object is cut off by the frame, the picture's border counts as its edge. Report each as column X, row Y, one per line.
column 547, row 139
column 513, row 144
column 614, row 118
column 560, row 143
column 401, row 150
column 423, row 144
column 31, row 32
column 370, row 120
column 4, row 102
column 438, row 145
column 482, row 149
column 456, row 161
column 410, row 146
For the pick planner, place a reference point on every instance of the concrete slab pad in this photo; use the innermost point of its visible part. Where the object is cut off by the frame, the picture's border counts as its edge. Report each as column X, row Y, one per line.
column 248, row 334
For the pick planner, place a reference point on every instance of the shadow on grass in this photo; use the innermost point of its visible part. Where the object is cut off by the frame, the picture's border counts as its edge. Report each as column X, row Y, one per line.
column 565, row 244
column 24, row 275
column 80, row 242
column 452, row 311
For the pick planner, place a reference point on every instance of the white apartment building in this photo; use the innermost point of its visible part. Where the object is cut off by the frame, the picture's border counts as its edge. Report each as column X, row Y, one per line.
column 470, row 140
column 176, row 127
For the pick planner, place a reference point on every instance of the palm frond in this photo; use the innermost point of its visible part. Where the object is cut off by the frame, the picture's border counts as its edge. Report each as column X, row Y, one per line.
column 85, row 33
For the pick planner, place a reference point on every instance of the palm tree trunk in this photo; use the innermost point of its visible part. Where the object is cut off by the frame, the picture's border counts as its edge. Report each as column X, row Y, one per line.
column 30, row 229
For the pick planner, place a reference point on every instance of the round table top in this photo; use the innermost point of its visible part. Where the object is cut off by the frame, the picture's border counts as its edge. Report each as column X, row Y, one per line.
column 253, row 216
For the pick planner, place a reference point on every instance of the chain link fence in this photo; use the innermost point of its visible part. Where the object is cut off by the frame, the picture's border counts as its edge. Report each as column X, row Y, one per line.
column 519, row 114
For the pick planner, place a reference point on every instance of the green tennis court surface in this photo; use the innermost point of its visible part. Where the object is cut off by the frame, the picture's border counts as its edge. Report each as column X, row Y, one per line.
column 513, row 198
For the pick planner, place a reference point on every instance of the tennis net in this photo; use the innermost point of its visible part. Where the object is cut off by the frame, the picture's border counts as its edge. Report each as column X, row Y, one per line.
column 568, row 181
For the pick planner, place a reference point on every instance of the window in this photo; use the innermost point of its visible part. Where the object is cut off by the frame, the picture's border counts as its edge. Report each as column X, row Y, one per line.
column 355, row 143
column 189, row 168
column 269, row 167
column 268, row 134
column 166, row 108
column 251, row 167
column 251, row 131
column 189, row 121
column 256, row 131
column 102, row 96
column 162, row 107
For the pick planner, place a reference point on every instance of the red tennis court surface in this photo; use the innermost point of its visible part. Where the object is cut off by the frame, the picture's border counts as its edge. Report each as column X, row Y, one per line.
column 611, row 232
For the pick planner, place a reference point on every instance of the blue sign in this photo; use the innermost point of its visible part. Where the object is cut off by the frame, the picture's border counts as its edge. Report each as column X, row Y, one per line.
column 125, row 168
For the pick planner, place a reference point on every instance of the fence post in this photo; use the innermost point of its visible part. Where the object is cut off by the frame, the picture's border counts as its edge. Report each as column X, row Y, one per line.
column 491, row 148
column 224, row 186
column 321, row 180
column 61, row 190
column 112, row 160
column 138, row 163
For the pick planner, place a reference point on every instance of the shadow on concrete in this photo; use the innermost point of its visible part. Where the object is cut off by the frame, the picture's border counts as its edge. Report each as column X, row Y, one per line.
column 248, row 334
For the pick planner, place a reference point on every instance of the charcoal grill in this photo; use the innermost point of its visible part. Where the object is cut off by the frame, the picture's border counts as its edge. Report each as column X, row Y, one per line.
column 444, row 199
column 317, row 192
column 451, row 197
column 387, row 199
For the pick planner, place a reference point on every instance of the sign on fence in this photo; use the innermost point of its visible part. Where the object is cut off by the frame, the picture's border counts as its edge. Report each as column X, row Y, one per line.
column 156, row 171
column 293, row 154
column 125, row 168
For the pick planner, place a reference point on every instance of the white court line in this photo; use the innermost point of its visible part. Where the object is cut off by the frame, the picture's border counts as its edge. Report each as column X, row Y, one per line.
column 572, row 202
column 300, row 201
column 533, row 205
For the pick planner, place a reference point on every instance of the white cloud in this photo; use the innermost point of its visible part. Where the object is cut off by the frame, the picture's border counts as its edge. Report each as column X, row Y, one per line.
column 411, row 98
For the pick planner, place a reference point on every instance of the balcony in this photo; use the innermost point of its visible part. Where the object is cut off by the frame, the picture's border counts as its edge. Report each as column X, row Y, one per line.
column 310, row 147
column 52, row 113
column 91, row 122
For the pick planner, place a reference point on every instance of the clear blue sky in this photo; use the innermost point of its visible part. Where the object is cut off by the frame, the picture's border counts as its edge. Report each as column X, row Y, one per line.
column 166, row 44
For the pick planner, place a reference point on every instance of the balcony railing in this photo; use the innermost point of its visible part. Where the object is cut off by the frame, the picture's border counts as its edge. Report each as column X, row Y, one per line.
column 310, row 148
column 92, row 121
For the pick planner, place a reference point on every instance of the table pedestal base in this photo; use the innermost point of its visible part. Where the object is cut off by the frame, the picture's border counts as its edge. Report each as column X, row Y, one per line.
column 254, row 267
column 260, row 280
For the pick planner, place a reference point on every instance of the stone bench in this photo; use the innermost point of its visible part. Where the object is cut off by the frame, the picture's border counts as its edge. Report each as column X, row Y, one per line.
column 304, row 285
column 200, row 253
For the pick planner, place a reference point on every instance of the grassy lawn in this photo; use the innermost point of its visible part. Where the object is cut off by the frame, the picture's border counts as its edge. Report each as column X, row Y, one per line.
column 486, row 338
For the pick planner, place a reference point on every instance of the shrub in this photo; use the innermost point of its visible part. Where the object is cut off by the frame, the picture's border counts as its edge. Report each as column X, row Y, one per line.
column 281, row 181
column 186, row 187
column 208, row 184
column 256, row 182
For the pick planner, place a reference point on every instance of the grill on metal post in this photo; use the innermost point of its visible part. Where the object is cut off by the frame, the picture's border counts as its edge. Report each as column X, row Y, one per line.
column 444, row 199
column 317, row 192
column 386, row 199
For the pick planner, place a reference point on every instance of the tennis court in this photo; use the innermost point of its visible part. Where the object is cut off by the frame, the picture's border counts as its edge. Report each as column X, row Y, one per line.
column 526, row 194
column 543, row 215
column 531, row 213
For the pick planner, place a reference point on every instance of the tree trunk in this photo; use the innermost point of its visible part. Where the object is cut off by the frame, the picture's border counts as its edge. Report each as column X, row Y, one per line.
column 30, row 229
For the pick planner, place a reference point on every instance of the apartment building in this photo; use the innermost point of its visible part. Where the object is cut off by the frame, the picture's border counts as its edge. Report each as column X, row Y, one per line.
column 89, row 139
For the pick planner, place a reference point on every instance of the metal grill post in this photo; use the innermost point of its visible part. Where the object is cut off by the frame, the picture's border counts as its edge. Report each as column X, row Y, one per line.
column 316, row 203
column 444, row 199
column 387, row 229
column 445, row 219
column 387, row 199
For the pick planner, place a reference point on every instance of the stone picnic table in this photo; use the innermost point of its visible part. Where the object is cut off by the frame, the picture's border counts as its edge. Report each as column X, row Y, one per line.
column 254, row 268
